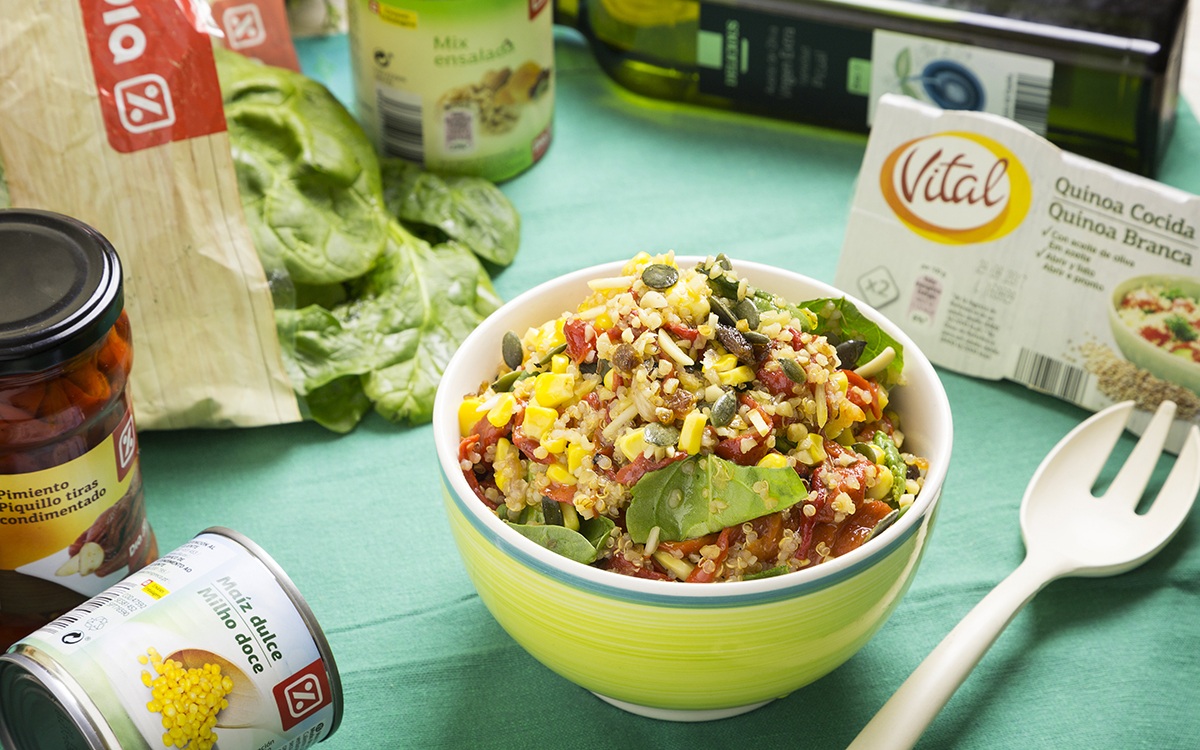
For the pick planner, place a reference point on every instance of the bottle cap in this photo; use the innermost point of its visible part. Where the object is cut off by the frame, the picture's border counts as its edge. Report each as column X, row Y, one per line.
column 60, row 289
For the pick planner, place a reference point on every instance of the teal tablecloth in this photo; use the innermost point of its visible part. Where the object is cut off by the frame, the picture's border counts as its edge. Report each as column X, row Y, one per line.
column 357, row 520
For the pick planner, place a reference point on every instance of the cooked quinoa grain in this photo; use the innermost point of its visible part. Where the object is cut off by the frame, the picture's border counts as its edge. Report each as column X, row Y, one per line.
column 681, row 424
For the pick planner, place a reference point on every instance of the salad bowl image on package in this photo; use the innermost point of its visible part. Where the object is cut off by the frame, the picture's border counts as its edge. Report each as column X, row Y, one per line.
column 1155, row 321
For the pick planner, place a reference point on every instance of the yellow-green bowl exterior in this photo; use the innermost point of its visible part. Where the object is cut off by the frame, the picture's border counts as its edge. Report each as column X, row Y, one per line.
column 684, row 658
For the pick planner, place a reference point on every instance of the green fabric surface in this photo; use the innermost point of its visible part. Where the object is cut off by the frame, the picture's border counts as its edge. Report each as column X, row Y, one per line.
column 358, row 524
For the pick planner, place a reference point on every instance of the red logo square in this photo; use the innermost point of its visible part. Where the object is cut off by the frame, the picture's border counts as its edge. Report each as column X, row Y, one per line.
column 302, row 694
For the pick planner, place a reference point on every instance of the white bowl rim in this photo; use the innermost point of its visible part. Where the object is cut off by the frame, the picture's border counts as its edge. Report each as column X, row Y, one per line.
column 674, row 593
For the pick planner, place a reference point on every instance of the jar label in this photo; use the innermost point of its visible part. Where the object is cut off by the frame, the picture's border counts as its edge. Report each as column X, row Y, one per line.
column 78, row 524
column 464, row 87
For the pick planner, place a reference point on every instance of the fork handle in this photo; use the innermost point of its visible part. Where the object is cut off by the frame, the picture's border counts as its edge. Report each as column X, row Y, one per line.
column 904, row 718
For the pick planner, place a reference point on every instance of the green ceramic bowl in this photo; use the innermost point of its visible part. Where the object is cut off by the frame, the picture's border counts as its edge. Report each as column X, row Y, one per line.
column 1154, row 359
column 672, row 650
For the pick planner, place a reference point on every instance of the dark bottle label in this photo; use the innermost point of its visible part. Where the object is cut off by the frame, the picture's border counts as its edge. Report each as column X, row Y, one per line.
column 785, row 66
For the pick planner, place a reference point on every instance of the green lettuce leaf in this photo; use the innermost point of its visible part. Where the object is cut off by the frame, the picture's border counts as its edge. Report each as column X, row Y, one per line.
column 703, row 494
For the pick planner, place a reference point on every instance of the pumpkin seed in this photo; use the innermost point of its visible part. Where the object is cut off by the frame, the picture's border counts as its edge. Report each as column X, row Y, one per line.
column 505, row 382
column 848, row 352
column 550, row 355
column 746, row 310
column 724, row 285
column 756, row 338
column 722, row 311
column 662, row 435
column 724, row 262
column 514, row 353
column 870, row 451
column 884, row 522
column 552, row 511
column 723, row 410
column 660, row 276
column 794, row 371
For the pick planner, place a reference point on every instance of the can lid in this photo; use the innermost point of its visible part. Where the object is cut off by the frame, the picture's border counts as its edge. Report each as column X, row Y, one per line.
column 60, row 289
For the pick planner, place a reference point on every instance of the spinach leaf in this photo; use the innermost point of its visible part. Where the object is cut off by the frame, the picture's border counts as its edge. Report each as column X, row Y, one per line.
column 397, row 333
column 581, row 546
column 366, row 311
column 419, row 304
column 703, row 494
column 471, row 210
column 848, row 324
column 307, row 174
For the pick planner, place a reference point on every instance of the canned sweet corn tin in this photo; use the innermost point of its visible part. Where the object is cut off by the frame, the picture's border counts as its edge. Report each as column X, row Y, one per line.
column 211, row 642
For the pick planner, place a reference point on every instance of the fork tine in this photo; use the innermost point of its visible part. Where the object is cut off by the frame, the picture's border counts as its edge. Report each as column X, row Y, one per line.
column 1178, row 493
column 1126, row 489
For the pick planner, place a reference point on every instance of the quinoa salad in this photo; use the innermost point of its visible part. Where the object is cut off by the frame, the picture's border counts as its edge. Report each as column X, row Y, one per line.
column 683, row 425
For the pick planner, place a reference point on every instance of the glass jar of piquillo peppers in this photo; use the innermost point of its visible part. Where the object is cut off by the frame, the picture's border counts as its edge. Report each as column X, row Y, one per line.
column 72, row 514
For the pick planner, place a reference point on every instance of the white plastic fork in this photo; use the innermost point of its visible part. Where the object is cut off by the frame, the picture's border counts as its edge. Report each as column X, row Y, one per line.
column 1067, row 532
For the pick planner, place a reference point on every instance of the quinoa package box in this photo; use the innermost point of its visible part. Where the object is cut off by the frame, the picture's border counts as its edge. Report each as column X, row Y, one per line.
column 1004, row 257
column 110, row 112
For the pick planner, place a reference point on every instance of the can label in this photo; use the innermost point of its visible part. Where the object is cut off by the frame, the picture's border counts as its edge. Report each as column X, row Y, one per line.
column 80, row 524
column 210, row 614
column 464, row 87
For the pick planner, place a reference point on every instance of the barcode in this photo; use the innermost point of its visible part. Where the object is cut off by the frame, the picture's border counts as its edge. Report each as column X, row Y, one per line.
column 88, row 607
column 400, row 124
column 1051, row 376
column 1031, row 103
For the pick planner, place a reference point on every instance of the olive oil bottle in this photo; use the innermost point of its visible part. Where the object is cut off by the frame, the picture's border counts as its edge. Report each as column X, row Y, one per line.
column 1099, row 78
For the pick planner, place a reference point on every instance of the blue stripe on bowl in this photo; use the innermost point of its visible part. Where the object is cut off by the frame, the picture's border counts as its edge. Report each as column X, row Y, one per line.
column 513, row 548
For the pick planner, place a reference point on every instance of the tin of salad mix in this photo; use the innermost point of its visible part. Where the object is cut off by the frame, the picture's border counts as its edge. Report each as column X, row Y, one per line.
column 682, row 424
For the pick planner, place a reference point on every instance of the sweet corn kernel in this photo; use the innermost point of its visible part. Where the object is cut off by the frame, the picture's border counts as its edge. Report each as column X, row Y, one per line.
column 468, row 415
column 737, row 376
column 538, row 419
column 811, row 451
column 692, row 432
column 507, row 464
column 610, row 380
column 725, row 363
column 840, row 380
column 552, row 389
column 632, row 443
column 505, row 407
column 603, row 322
column 557, row 474
column 575, row 456
column 559, row 363
column 773, row 461
column 554, row 445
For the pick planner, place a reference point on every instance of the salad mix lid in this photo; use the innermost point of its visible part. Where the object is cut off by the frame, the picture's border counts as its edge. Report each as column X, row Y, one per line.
column 60, row 289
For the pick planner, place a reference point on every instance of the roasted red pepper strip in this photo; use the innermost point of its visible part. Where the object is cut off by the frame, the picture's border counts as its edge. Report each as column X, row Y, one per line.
column 631, row 472
column 699, row 574
column 575, row 331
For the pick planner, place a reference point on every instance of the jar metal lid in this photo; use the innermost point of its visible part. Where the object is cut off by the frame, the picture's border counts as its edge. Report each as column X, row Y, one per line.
column 60, row 289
